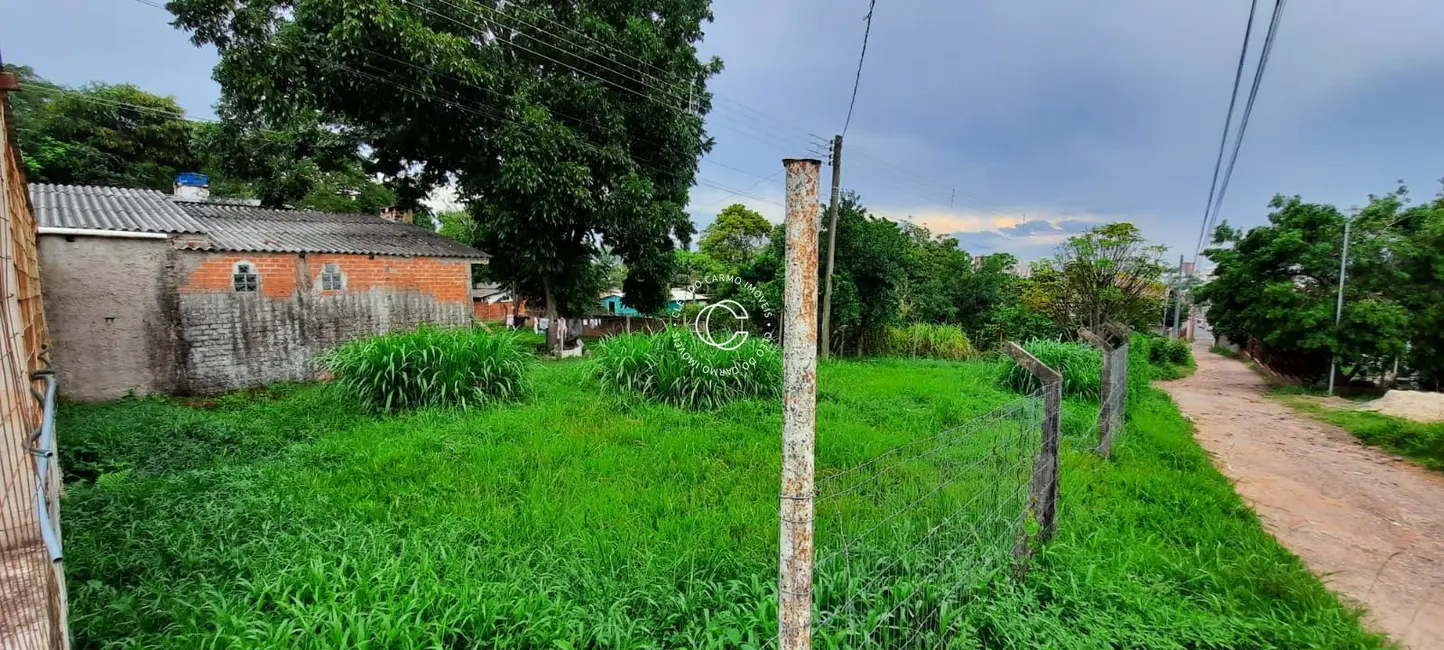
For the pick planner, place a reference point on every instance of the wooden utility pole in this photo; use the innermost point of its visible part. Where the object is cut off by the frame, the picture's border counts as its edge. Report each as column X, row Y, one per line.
column 825, row 341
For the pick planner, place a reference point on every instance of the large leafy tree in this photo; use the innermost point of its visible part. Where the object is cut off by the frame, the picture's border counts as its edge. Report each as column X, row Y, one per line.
column 100, row 134
column 1109, row 273
column 301, row 163
column 735, row 236
column 566, row 127
column 1277, row 284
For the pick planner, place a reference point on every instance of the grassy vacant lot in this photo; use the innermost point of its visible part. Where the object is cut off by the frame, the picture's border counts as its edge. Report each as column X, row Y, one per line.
column 1423, row 442
column 286, row 518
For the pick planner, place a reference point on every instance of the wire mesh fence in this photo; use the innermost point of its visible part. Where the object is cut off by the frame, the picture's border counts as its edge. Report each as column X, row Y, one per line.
column 32, row 600
column 904, row 539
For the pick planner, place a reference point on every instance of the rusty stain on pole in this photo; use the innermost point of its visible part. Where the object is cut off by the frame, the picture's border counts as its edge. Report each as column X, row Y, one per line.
column 799, row 407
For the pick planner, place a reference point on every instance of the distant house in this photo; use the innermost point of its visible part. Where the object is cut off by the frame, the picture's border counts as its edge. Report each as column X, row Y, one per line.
column 154, row 292
column 612, row 304
column 492, row 303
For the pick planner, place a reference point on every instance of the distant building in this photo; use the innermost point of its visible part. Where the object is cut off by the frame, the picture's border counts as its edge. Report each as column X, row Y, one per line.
column 179, row 293
column 492, row 303
column 613, row 305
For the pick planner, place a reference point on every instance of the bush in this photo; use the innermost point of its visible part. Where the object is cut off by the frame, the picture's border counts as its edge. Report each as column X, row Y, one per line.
column 429, row 366
column 1168, row 351
column 929, row 341
column 675, row 367
column 1081, row 365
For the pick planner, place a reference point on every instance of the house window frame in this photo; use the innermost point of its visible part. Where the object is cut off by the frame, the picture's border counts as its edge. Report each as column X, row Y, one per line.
column 332, row 278
column 245, row 277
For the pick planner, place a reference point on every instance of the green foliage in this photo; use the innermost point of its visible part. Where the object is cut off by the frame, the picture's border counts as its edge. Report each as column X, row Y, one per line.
column 456, row 226
column 1109, row 273
column 734, row 236
column 1278, row 285
column 675, row 367
column 298, row 162
column 565, row 523
column 1016, row 322
column 929, row 341
column 1169, row 351
column 431, row 367
column 1080, row 365
column 100, row 134
column 1421, row 441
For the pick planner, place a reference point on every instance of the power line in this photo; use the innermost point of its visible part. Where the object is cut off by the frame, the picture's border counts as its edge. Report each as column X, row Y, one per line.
column 1227, row 122
column 857, row 81
column 1268, row 46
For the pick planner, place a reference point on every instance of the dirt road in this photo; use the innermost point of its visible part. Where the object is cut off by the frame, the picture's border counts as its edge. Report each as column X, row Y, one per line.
column 1369, row 524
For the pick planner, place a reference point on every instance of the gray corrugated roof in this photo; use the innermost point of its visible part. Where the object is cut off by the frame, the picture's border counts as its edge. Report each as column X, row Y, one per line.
column 229, row 226
column 243, row 228
column 108, row 208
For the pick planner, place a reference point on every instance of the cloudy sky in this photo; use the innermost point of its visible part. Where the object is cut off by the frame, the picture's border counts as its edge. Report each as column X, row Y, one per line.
column 1010, row 123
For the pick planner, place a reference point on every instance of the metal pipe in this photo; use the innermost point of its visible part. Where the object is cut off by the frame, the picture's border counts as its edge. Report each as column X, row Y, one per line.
column 1339, row 306
column 95, row 232
column 44, row 450
column 799, row 408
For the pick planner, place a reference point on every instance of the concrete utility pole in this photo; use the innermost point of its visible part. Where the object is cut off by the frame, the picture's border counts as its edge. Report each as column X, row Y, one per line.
column 799, row 408
column 1178, row 299
column 825, row 342
column 1339, row 306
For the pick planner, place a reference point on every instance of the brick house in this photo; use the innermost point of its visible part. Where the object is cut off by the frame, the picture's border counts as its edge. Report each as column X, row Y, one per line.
column 151, row 292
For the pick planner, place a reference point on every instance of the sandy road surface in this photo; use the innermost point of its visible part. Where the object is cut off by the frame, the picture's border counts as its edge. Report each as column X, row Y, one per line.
column 1370, row 524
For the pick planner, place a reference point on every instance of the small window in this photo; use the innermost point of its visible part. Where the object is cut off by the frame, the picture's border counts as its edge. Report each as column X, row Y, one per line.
column 331, row 279
column 244, row 278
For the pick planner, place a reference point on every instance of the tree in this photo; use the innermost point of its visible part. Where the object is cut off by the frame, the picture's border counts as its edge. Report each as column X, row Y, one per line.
column 1278, row 285
column 692, row 268
column 100, row 134
column 559, row 149
column 1109, row 273
column 457, row 226
column 735, row 236
column 300, row 163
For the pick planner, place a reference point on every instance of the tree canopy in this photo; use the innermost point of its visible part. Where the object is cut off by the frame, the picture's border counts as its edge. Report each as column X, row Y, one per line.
column 566, row 128
column 1277, row 284
column 121, row 135
column 735, row 236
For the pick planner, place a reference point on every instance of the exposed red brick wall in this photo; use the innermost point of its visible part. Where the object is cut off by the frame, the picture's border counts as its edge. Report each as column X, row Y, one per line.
column 447, row 281
column 493, row 311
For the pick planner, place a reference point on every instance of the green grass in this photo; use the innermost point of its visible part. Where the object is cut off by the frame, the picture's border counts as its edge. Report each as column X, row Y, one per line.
column 570, row 522
column 929, row 341
column 675, row 367
column 1423, row 442
column 1081, row 366
column 1225, row 352
column 429, row 366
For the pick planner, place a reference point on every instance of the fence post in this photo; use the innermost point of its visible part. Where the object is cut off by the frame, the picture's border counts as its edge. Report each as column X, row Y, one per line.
column 1105, row 392
column 799, row 408
column 1043, row 498
column 1125, row 336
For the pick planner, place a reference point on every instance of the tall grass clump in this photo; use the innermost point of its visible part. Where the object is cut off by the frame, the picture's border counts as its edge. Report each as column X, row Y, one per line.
column 675, row 367
column 1081, row 366
column 429, row 366
column 929, row 341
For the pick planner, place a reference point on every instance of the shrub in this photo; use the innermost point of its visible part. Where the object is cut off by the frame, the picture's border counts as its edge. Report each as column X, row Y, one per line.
column 929, row 341
column 1168, row 351
column 1081, row 365
column 429, row 366
column 675, row 367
